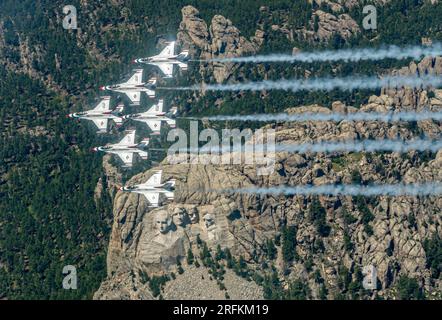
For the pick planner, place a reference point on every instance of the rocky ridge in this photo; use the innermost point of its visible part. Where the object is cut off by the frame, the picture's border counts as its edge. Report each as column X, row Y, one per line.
column 243, row 223
column 221, row 39
column 391, row 237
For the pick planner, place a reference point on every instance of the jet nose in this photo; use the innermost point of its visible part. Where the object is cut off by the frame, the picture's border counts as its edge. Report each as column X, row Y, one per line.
column 134, row 61
column 102, row 88
column 121, row 188
column 94, row 149
column 70, row 115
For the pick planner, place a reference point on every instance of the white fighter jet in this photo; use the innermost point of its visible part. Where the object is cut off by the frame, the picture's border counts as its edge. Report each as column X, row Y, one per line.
column 101, row 114
column 155, row 116
column 134, row 86
column 167, row 59
column 126, row 148
column 153, row 189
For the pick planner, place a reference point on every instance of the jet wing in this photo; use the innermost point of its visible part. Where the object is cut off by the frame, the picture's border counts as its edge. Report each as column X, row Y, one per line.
column 156, row 108
column 154, row 125
column 129, row 139
column 155, row 179
column 166, row 68
column 134, row 97
column 101, row 124
column 126, row 157
column 103, row 105
column 137, row 78
column 153, row 198
column 168, row 51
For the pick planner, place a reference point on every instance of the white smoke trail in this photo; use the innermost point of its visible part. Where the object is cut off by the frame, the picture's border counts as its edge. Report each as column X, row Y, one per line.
column 346, row 55
column 386, row 145
column 326, row 84
column 362, row 146
column 425, row 189
column 309, row 116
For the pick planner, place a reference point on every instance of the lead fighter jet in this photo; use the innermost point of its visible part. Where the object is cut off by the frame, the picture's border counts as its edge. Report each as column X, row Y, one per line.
column 154, row 117
column 134, row 86
column 167, row 59
column 126, row 148
column 101, row 114
column 153, row 189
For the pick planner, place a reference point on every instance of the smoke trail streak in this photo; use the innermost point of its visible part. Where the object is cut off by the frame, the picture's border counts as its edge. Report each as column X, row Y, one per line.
column 309, row 116
column 327, row 84
column 364, row 145
column 387, row 145
column 425, row 189
column 346, row 55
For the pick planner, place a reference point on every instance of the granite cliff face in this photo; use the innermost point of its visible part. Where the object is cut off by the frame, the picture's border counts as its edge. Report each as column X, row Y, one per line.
column 244, row 223
column 332, row 233
column 221, row 39
column 325, row 25
column 409, row 98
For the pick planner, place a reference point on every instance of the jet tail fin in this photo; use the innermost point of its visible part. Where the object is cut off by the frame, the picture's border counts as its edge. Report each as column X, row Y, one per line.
column 143, row 155
column 171, row 123
column 170, row 184
column 183, row 56
column 182, row 66
column 119, row 109
column 144, row 143
column 172, row 111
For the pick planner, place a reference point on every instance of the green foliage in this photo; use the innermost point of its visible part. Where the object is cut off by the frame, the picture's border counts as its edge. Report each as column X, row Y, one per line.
column 367, row 216
column 348, row 217
column 317, row 216
column 344, row 278
column 289, row 243
column 356, row 177
column 348, row 245
column 219, row 253
column 156, row 284
column 47, row 210
column 298, row 290
column 273, row 290
column 408, row 289
column 433, row 253
column 190, row 257
column 270, row 249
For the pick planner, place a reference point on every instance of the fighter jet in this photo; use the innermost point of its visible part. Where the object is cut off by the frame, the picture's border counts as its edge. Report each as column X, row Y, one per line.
column 154, row 117
column 101, row 114
column 134, row 86
column 153, row 189
column 126, row 148
column 167, row 59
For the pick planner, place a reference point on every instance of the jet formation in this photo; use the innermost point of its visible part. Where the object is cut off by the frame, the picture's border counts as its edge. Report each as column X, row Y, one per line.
column 127, row 149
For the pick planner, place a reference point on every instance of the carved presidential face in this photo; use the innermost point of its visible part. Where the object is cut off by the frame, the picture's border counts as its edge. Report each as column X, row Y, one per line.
column 194, row 216
column 180, row 217
column 163, row 221
column 209, row 220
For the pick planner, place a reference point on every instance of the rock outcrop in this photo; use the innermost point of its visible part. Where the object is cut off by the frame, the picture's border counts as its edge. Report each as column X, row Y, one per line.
column 324, row 26
column 221, row 39
column 392, row 240
column 410, row 98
